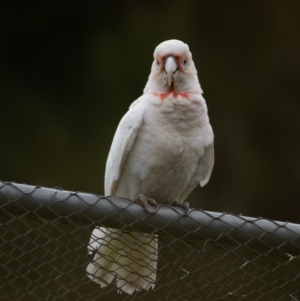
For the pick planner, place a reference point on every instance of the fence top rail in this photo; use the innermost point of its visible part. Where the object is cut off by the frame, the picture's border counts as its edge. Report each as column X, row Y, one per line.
column 91, row 209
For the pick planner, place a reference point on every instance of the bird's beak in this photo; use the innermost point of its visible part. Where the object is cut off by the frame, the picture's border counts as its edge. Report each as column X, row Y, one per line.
column 170, row 68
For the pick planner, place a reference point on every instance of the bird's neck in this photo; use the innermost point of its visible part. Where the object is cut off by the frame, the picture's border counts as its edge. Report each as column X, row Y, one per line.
column 174, row 94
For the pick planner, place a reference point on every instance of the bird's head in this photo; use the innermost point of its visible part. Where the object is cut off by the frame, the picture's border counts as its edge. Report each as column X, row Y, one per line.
column 173, row 69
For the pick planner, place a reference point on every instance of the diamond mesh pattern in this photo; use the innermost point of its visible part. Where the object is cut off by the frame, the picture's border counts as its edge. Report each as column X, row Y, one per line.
column 202, row 255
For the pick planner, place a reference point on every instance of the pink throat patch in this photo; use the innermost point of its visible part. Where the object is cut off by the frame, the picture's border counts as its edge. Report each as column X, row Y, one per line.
column 175, row 94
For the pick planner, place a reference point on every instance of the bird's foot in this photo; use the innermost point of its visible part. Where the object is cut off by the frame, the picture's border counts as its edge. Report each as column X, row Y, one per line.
column 184, row 205
column 145, row 202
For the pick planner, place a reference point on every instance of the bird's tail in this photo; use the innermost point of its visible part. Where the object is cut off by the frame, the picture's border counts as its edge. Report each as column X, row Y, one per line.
column 131, row 257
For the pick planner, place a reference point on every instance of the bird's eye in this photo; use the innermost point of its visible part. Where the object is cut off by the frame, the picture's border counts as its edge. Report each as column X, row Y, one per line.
column 185, row 64
column 158, row 62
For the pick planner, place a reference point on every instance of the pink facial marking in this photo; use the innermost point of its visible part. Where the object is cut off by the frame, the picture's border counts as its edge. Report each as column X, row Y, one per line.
column 175, row 94
column 178, row 58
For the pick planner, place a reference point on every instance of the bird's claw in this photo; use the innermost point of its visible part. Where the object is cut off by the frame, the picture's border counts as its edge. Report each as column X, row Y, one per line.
column 184, row 205
column 145, row 202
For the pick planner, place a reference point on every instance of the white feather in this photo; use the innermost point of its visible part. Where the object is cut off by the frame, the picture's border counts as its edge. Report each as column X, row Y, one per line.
column 122, row 143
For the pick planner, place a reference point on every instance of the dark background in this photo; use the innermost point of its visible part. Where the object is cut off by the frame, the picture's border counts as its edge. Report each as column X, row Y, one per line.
column 70, row 69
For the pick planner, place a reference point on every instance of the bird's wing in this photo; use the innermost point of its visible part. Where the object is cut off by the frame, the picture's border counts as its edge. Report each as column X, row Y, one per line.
column 121, row 146
column 206, row 164
column 203, row 171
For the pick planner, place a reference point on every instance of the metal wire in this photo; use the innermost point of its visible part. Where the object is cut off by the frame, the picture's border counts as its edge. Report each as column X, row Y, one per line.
column 202, row 255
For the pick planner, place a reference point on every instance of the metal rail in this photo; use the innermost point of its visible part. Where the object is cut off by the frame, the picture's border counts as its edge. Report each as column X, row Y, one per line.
column 84, row 208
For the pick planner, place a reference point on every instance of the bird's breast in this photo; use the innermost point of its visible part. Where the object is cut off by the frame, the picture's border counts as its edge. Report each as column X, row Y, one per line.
column 168, row 146
column 164, row 161
column 183, row 111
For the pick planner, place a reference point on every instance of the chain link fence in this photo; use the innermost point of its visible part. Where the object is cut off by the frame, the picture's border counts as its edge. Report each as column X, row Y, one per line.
column 201, row 255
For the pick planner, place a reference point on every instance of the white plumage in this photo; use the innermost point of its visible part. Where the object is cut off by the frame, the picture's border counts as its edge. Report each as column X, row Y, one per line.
column 162, row 149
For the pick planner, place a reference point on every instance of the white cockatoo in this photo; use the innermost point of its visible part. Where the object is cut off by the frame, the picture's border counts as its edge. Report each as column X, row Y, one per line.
column 162, row 149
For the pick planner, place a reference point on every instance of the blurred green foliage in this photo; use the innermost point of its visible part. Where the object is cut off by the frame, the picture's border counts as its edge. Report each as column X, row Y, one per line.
column 70, row 69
